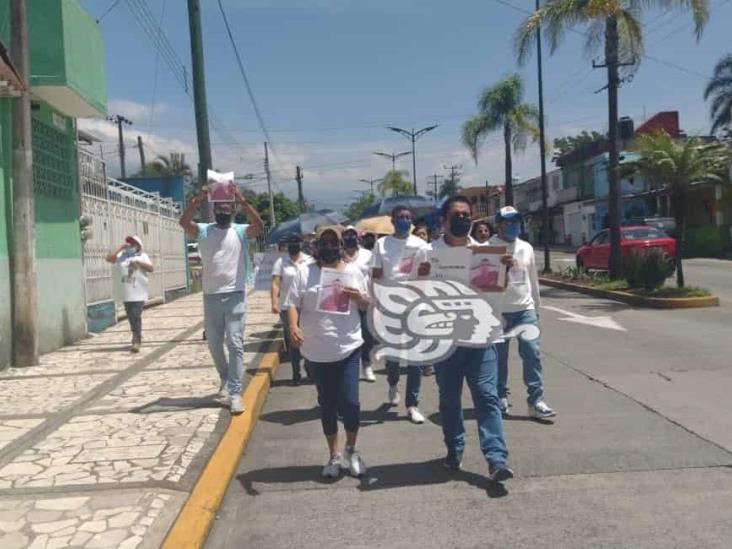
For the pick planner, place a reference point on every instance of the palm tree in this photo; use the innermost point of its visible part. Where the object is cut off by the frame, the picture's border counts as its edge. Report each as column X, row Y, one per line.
column 618, row 22
column 449, row 188
column 395, row 183
column 500, row 107
column 680, row 166
column 166, row 166
column 720, row 90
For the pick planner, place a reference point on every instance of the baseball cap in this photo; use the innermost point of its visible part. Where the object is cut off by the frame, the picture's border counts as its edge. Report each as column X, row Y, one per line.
column 508, row 213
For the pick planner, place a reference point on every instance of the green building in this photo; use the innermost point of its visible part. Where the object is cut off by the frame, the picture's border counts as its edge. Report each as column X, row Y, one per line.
column 68, row 81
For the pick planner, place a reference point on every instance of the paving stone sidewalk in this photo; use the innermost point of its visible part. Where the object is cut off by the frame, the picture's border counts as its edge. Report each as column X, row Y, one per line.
column 100, row 447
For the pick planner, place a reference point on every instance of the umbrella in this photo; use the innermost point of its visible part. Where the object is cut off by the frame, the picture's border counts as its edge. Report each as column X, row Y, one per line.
column 378, row 225
column 303, row 224
column 419, row 205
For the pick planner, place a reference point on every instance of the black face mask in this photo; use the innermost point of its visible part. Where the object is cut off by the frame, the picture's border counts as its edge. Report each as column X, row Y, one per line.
column 329, row 255
column 293, row 249
column 368, row 243
column 223, row 219
column 350, row 243
column 460, row 226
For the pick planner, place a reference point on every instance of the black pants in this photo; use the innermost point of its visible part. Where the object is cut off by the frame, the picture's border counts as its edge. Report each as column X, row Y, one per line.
column 134, row 317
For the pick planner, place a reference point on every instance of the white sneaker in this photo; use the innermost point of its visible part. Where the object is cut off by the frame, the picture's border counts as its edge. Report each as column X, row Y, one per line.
column 540, row 410
column 332, row 469
column 223, row 395
column 368, row 374
column 503, row 405
column 237, row 406
column 354, row 462
column 415, row 416
column 394, row 397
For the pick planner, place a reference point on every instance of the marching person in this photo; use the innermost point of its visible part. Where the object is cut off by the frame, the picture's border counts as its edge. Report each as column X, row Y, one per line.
column 520, row 306
column 283, row 273
column 481, row 231
column 133, row 265
column 422, row 230
column 361, row 258
column 478, row 366
column 393, row 259
column 223, row 246
column 331, row 344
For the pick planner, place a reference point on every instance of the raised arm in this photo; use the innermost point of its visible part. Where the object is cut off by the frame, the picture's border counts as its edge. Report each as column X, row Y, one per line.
column 112, row 256
column 256, row 226
column 186, row 221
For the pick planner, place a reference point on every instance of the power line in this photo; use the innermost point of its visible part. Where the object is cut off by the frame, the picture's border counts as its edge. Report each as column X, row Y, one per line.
column 108, row 10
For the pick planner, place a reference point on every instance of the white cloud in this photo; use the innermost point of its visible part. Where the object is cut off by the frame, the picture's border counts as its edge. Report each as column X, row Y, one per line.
column 137, row 112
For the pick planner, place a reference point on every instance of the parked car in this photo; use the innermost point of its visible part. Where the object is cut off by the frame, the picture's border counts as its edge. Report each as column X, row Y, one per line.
column 194, row 258
column 665, row 224
column 596, row 253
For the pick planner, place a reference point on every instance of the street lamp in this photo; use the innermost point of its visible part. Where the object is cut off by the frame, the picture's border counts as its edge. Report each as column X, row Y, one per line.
column 393, row 157
column 370, row 182
column 413, row 136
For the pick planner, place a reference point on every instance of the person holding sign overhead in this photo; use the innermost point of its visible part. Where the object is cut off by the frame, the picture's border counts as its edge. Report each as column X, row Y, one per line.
column 393, row 259
column 520, row 306
column 323, row 305
column 476, row 365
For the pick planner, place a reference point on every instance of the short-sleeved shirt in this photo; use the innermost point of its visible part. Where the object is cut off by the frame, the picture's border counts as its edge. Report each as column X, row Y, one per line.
column 396, row 256
column 134, row 279
column 224, row 257
column 362, row 261
column 327, row 337
column 286, row 269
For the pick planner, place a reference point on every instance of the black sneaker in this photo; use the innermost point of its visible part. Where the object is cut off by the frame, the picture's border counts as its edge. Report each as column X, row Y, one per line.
column 296, row 380
column 453, row 460
column 499, row 473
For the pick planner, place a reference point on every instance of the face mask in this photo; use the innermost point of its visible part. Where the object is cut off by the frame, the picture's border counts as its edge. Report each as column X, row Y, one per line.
column 329, row 255
column 460, row 226
column 293, row 249
column 511, row 231
column 368, row 244
column 223, row 219
column 350, row 242
column 402, row 225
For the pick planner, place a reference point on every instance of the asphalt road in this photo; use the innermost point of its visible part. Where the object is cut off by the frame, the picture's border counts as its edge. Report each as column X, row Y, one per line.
column 639, row 456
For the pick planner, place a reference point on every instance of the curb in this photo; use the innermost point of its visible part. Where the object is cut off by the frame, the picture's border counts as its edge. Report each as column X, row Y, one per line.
column 632, row 299
column 190, row 529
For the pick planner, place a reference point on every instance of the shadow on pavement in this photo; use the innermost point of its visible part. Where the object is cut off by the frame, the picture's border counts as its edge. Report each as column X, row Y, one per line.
column 469, row 415
column 380, row 415
column 168, row 404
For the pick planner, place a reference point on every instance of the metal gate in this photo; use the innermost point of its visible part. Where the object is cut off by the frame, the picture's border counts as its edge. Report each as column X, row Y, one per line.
column 117, row 210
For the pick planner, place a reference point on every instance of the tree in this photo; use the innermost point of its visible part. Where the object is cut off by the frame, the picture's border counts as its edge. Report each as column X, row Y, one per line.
column 395, row 183
column 679, row 166
column 719, row 89
column 168, row 166
column 356, row 208
column 618, row 23
column 284, row 208
column 501, row 107
column 449, row 187
column 569, row 143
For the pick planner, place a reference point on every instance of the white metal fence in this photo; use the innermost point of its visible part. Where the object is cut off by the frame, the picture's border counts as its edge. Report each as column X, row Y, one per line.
column 117, row 210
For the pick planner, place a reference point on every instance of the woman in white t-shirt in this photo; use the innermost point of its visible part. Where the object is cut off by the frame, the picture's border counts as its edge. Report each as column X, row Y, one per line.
column 330, row 340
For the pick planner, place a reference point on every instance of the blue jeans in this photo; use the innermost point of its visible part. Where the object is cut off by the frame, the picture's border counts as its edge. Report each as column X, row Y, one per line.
column 337, row 385
column 292, row 352
column 478, row 367
column 530, row 357
column 224, row 316
column 414, row 381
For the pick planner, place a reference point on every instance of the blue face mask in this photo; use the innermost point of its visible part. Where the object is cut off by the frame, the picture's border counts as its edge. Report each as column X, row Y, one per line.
column 402, row 225
column 511, row 231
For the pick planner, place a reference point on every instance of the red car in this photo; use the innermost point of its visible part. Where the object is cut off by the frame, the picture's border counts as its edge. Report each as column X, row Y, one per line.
column 596, row 254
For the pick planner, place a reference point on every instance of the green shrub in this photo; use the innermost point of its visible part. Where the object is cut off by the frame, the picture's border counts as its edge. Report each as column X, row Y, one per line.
column 632, row 263
column 706, row 241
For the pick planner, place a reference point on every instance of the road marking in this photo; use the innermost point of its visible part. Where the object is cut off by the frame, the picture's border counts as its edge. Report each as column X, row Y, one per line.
column 596, row 321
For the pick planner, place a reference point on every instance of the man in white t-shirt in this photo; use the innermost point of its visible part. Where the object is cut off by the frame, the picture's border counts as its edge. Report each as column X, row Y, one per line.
column 224, row 246
column 132, row 267
column 361, row 258
column 393, row 259
column 284, row 272
column 520, row 306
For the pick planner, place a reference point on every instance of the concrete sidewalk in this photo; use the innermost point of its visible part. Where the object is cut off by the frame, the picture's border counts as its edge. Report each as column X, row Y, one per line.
column 100, row 447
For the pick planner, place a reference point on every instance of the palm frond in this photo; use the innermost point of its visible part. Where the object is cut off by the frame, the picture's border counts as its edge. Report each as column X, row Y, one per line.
column 473, row 132
column 630, row 33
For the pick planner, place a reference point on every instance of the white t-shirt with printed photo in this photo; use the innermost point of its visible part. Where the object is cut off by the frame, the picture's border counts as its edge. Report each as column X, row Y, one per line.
column 362, row 261
column 287, row 269
column 396, row 256
column 327, row 337
column 133, row 279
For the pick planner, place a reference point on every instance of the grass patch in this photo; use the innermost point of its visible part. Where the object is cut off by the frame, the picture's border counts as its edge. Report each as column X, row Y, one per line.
column 688, row 291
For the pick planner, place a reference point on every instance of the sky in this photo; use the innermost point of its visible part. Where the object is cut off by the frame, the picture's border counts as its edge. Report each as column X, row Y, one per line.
column 329, row 75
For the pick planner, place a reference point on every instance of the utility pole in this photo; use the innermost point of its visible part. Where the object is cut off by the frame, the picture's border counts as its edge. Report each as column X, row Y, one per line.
column 542, row 152
column 300, row 197
column 120, row 120
column 142, row 155
column 413, row 136
column 435, row 177
column 370, row 181
column 269, row 187
column 23, row 241
column 199, row 95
